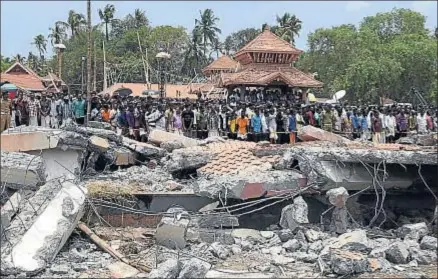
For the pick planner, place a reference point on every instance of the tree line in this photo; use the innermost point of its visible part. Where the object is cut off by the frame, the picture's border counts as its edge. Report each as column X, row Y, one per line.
column 385, row 55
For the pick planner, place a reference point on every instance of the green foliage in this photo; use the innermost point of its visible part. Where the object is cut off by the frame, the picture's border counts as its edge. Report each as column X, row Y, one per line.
column 237, row 40
column 5, row 63
column 387, row 55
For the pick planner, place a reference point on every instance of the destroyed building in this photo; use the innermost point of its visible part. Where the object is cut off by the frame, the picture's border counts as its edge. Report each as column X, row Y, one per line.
column 86, row 202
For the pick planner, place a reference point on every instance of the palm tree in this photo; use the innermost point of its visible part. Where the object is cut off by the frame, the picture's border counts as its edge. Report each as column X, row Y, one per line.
column 289, row 27
column 19, row 58
column 217, row 46
column 75, row 22
column 206, row 26
column 57, row 34
column 41, row 43
column 107, row 17
column 140, row 18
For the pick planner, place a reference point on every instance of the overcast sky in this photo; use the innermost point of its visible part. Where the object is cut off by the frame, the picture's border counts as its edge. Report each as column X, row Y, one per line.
column 21, row 21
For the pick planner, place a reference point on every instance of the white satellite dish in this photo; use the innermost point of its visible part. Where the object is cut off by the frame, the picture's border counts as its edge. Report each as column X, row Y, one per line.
column 339, row 95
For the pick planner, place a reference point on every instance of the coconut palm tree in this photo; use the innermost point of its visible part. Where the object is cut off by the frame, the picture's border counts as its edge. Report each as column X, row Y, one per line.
column 75, row 22
column 140, row 18
column 217, row 46
column 206, row 26
column 107, row 17
column 41, row 43
column 57, row 34
column 19, row 58
column 289, row 27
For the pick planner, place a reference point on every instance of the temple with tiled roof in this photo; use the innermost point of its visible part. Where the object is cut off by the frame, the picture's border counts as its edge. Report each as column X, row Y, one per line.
column 24, row 78
column 224, row 64
column 267, row 61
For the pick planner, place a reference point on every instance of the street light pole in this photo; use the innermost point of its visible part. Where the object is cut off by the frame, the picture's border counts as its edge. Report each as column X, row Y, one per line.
column 82, row 74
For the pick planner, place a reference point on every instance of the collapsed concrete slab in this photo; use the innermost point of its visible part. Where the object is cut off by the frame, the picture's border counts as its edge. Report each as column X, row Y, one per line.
column 249, row 184
column 61, row 162
column 9, row 209
column 22, row 171
column 99, row 143
column 142, row 148
column 187, row 159
column 424, row 140
column 171, row 232
column 42, row 227
column 158, row 137
column 99, row 125
column 310, row 133
column 15, row 141
column 107, row 134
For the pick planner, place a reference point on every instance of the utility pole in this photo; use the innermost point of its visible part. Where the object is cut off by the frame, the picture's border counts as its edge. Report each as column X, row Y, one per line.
column 88, row 61
column 142, row 59
column 105, row 83
column 95, row 67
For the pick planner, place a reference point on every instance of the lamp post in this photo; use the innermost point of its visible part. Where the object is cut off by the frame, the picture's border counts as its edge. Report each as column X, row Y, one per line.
column 82, row 74
column 161, row 59
column 59, row 49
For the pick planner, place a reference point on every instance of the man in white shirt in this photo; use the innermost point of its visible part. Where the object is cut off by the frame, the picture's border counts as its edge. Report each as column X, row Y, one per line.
column 421, row 122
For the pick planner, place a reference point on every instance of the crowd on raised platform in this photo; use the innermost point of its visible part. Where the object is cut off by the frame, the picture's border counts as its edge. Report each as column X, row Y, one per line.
column 276, row 120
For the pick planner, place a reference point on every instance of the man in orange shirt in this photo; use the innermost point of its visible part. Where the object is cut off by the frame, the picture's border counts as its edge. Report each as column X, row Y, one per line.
column 105, row 114
column 242, row 126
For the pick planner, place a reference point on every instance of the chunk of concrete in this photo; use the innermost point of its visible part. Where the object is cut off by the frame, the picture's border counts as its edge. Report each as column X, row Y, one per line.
column 22, row 171
column 358, row 236
column 186, row 159
column 248, row 234
column 171, row 231
column 423, row 257
column 88, row 131
column 166, row 269
column 427, row 243
column 285, row 235
column 220, row 220
column 378, row 264
column 347, row 263
column 122, row 270
column 294, row 215
column 338, row 196
column 99, row 125
column 213, row 235
column 310, row 133
column 27, row 141
column 169, row 146
column 339, row 221
column 194, row 268
column 9, row 209
column 397, row 253
column 142, row 148
column 41, row 229
column 291, row 245
column 100, row 144
column 219, row 250
column 123, row 157
column 413, row 230
column 158, row 137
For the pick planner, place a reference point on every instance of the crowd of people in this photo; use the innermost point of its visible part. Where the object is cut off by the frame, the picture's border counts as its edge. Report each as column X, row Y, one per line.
column 277, row 121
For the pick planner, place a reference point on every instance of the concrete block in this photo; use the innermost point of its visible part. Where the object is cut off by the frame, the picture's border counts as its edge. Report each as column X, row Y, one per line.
column 122, row 270
column 142, row 148
column 10, row 208
column 310, row 133
column 158, row 137
column 22, row 171
column 171, row 232
column 186, row 159
column 35, row 237
column 99, row 143
column 219, row 220
column 124, row 157
column 222, row 273
column 60, row 162
column 27, row 141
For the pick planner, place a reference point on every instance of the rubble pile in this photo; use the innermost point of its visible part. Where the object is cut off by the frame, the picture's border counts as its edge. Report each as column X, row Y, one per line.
column 310, row 205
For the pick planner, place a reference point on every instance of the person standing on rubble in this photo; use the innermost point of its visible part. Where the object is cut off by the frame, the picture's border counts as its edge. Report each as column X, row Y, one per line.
column 45, row 112
column 364, row 126
column 79, row 110
column 376, row 127
column 65, row 110
column 327, row 119
column 292, row 127
column 34, row 110
column 187, row 116
column 6, row 109
column 421, row 122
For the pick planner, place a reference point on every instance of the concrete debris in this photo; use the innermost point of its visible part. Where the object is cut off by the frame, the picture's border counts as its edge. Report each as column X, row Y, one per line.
column 142, row 148
column 213, row 274
column 220, row 220
column 294, row 215
column 171, row 232
column 88, row 131
column 101, row 144
column 291, row 245
column 9, row 209
column 167, row 269
column 158, row 137
column 247, row 234
column 122, row 270
column 169, row 146
column 416, row 231
column 338, row 196
column 347, row 263
column 219, row 250
column 186, row 159
column 424, row 257
column 429, row 243
column 285, row 235
column 194, row 268
column 267, row 234
column 34, row 238
column 22, row 171
column 310, row 133
column 99, row 125
column 397, row 253
column 423, row 140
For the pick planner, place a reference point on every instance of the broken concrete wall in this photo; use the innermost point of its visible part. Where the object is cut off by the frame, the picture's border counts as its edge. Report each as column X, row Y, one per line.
column 87, row 131
column 310, row 133
column 158, row 137
column 43, row 225
column 142, row 148
column 60, row 162
column 22, row 171
column 27, row 141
